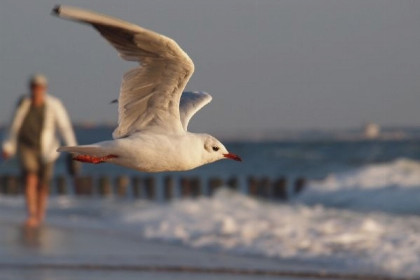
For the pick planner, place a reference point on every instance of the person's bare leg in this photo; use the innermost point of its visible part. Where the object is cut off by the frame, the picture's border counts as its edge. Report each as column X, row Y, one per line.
column 31, row 186
column 42, row 199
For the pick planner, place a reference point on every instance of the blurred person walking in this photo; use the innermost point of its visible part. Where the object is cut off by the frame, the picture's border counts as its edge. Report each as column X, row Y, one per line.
column 33, row 137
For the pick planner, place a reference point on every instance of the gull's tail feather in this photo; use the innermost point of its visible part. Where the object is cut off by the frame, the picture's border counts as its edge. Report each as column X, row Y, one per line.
column 88, row 153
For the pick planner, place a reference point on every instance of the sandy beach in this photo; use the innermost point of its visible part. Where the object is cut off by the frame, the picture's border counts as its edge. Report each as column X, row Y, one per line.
column 53, row 252
column 58, row 252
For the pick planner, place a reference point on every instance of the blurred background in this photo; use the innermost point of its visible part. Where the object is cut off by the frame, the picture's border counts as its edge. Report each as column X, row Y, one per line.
column 324, row 91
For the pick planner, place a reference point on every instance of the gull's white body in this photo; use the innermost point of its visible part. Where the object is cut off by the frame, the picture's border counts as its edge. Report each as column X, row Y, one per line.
column 153, row 110
column 151, row 152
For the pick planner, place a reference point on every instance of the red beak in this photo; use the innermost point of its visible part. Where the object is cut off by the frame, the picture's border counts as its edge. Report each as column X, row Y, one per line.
column 232, row 156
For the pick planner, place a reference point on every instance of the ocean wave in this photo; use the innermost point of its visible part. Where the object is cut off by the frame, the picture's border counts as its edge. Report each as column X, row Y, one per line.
column 390, row 187
column 235, row 223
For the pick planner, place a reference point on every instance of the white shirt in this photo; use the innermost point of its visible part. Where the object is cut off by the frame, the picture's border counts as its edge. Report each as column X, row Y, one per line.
column 56, row 119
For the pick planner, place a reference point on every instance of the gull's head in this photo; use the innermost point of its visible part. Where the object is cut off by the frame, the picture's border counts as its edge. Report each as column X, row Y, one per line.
column 214, row 150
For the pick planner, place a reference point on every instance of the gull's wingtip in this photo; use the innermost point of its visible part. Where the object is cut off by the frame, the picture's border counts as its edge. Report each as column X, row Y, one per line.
column 203, row 93
column 70, row 12
column 56, row 10
column 207, row 95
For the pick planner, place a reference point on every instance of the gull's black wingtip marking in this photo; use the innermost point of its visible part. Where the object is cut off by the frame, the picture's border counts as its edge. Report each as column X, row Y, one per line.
column 56, row 10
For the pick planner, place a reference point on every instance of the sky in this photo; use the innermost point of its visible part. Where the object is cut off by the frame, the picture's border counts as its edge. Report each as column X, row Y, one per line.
column 269, row 64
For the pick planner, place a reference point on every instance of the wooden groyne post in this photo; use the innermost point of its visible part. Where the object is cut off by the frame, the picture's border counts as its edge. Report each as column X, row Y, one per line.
column 280, row 189
column 300, row 184
column 213, row 185
column 61, row 185
column 121, row 185
column 150, row 188
column 10, row 185
column 136, row 184
column 104, row 186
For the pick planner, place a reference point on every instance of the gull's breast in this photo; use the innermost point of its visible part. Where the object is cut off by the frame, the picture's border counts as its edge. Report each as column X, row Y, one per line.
column 158, row 152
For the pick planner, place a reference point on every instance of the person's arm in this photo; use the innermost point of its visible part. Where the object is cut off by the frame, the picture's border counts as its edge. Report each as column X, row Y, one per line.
column 10, row 141
column 64, row 125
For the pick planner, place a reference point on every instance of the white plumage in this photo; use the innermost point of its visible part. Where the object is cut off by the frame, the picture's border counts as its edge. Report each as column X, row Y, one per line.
column 153, row 111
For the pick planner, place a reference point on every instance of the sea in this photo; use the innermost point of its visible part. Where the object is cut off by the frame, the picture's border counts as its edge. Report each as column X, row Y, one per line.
column 359, row 212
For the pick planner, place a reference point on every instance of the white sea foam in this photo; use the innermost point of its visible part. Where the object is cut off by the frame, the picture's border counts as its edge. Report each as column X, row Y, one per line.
column 239, row 224
column 399, row 173
column 390, row 187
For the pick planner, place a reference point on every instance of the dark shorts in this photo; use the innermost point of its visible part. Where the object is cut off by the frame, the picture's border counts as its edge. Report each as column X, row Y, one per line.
column 31, row 162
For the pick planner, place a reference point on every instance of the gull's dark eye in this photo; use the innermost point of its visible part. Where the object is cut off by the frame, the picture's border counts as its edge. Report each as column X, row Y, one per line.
column 215, row 148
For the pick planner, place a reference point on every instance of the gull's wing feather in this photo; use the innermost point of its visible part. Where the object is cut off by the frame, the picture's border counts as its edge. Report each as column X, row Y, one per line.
column 150, row 94
column 191, row 103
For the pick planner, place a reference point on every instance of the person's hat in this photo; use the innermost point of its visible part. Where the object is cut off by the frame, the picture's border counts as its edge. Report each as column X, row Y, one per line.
column 39, row 80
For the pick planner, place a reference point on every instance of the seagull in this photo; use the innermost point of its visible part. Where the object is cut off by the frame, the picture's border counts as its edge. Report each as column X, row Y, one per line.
column 153, row 110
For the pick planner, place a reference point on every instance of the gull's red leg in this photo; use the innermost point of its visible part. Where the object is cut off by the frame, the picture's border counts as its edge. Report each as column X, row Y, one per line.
column 92, row 159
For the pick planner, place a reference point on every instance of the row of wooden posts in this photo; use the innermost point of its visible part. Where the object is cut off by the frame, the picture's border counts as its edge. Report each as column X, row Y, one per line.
column 147, row 187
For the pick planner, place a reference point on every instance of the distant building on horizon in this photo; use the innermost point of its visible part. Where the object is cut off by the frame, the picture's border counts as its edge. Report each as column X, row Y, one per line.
column 371, row 130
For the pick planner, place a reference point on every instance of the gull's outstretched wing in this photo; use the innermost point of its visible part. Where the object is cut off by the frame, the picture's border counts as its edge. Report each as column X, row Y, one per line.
column 150, row 94
column 191, row 103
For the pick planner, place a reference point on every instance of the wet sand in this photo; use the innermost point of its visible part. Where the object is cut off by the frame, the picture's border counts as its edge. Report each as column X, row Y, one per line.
column 57, row 252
